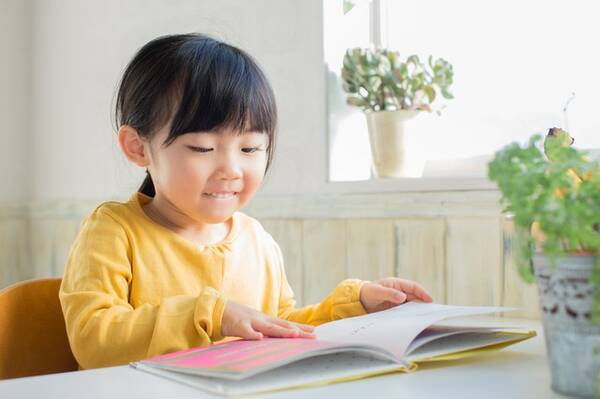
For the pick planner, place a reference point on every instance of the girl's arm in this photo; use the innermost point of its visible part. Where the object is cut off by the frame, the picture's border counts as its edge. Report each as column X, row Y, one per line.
column 103, row 327
column 342, row 302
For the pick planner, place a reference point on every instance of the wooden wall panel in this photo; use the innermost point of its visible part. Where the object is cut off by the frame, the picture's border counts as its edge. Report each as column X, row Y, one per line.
column 370, row 248
column 461, row 258
column 421, row 254
column 288, row 234
column 324, row 256
column 14, row 252
column 474, row 261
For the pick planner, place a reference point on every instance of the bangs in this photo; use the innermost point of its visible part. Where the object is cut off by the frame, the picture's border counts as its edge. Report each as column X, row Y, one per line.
column 220, row 87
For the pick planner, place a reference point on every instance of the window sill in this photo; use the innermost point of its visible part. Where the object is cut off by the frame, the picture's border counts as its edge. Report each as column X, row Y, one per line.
column 414, row 185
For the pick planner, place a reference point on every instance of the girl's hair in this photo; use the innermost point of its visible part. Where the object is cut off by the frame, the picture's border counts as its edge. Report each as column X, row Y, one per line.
column 199, row 84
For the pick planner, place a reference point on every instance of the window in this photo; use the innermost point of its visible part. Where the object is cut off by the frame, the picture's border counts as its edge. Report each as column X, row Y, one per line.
column 516, row 65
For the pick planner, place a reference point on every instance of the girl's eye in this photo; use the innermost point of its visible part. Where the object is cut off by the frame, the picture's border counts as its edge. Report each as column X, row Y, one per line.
column 204, row 149
column 251, row 149
column 199, row 149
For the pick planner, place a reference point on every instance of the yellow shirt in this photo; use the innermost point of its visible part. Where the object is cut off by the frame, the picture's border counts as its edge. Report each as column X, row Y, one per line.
column 133, row 289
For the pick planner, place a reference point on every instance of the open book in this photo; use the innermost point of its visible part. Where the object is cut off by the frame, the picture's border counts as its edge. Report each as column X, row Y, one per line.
column 396, row 339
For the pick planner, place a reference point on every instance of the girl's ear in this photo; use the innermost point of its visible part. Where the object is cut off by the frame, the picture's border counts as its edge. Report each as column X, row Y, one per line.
column 133, row 146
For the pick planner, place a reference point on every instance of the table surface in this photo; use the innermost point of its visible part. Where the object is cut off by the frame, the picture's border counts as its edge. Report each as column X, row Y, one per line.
column 519, row 371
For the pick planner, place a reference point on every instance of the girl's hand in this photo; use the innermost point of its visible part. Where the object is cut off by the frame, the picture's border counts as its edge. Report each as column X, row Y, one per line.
column 389, row 292
column 242, row 321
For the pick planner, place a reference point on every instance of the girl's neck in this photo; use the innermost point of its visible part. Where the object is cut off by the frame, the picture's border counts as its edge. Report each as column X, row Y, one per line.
column 166, row 215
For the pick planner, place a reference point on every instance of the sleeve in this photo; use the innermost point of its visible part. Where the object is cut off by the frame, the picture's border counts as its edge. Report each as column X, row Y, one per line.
column 103, row 327
column 342, row 302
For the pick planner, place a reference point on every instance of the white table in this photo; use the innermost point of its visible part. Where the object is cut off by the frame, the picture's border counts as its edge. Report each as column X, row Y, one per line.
column 519, row 371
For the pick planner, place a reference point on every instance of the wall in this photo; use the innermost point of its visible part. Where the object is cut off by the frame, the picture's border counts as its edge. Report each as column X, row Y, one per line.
column 15, row 143
column 81, row 48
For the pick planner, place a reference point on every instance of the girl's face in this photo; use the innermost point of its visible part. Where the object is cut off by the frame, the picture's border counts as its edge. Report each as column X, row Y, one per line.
column 206, row 177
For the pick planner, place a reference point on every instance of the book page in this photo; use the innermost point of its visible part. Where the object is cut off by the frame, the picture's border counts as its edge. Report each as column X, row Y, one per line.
column 437, row 331
column 458, row 343
column 395, row 328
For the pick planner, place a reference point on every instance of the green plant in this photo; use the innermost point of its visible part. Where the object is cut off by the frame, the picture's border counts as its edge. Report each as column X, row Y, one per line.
column 378, row 80
column 547, row 191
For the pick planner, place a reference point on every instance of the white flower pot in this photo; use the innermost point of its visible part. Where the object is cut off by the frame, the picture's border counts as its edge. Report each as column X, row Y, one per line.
column 387, row 138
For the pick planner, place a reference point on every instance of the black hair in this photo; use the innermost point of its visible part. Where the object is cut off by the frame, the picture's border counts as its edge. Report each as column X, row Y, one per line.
column 199, row 84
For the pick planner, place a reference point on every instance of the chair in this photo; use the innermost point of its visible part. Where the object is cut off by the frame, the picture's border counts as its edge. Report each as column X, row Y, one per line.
column 33, row 336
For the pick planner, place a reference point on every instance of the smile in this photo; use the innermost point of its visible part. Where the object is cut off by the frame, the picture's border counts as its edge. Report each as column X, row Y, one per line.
column 221, row 195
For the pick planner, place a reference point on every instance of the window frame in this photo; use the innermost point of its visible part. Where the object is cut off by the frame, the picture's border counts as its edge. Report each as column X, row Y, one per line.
column 377, row 38
column 452, row 182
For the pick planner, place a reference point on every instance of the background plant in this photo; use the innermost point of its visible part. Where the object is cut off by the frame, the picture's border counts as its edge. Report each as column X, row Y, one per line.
column 568, row 211
column 378, row 80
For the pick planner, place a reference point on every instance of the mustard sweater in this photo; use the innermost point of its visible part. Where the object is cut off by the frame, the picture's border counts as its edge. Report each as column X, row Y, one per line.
column 133, row 289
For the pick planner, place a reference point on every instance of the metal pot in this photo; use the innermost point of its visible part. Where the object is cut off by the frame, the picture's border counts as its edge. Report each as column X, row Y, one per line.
column 566, row 294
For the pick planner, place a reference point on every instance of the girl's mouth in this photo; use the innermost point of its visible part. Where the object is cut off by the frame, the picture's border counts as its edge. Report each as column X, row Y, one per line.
column 221, row 195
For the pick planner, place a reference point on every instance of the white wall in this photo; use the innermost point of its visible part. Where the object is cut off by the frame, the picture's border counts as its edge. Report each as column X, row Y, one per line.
column 15, row 50
column 79, row 52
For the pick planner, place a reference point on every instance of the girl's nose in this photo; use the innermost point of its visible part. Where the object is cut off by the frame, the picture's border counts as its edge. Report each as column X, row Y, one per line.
column 229, row 168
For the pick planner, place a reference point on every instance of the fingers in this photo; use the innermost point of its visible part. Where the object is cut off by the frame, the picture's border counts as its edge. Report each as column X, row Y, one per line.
column 242, row 321
column 305, row 330
column 412, row 288
column 282, row 328
column 391, row 294
column 411, row 297
column 304, row 327
column 247, row 332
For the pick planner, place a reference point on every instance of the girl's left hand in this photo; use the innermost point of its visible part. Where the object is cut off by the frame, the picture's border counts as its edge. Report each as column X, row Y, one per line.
column 389, row 292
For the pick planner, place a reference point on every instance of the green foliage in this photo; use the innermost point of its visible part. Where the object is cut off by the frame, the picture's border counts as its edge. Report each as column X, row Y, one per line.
column 566, row 208
column 378, row 80
column 523, row 253
column 348, row 6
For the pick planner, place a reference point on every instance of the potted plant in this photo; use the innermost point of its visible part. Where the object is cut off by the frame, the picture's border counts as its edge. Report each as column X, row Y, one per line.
column 391, row 91
column 553, row 193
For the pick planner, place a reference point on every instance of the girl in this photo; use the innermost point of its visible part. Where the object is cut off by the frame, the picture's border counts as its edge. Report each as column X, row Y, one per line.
column 177, row 265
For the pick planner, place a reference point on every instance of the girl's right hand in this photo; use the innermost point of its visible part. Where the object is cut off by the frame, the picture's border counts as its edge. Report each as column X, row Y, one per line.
column 242, row 321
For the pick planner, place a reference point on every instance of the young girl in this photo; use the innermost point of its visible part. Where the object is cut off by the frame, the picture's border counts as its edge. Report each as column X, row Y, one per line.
column 177, row 265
